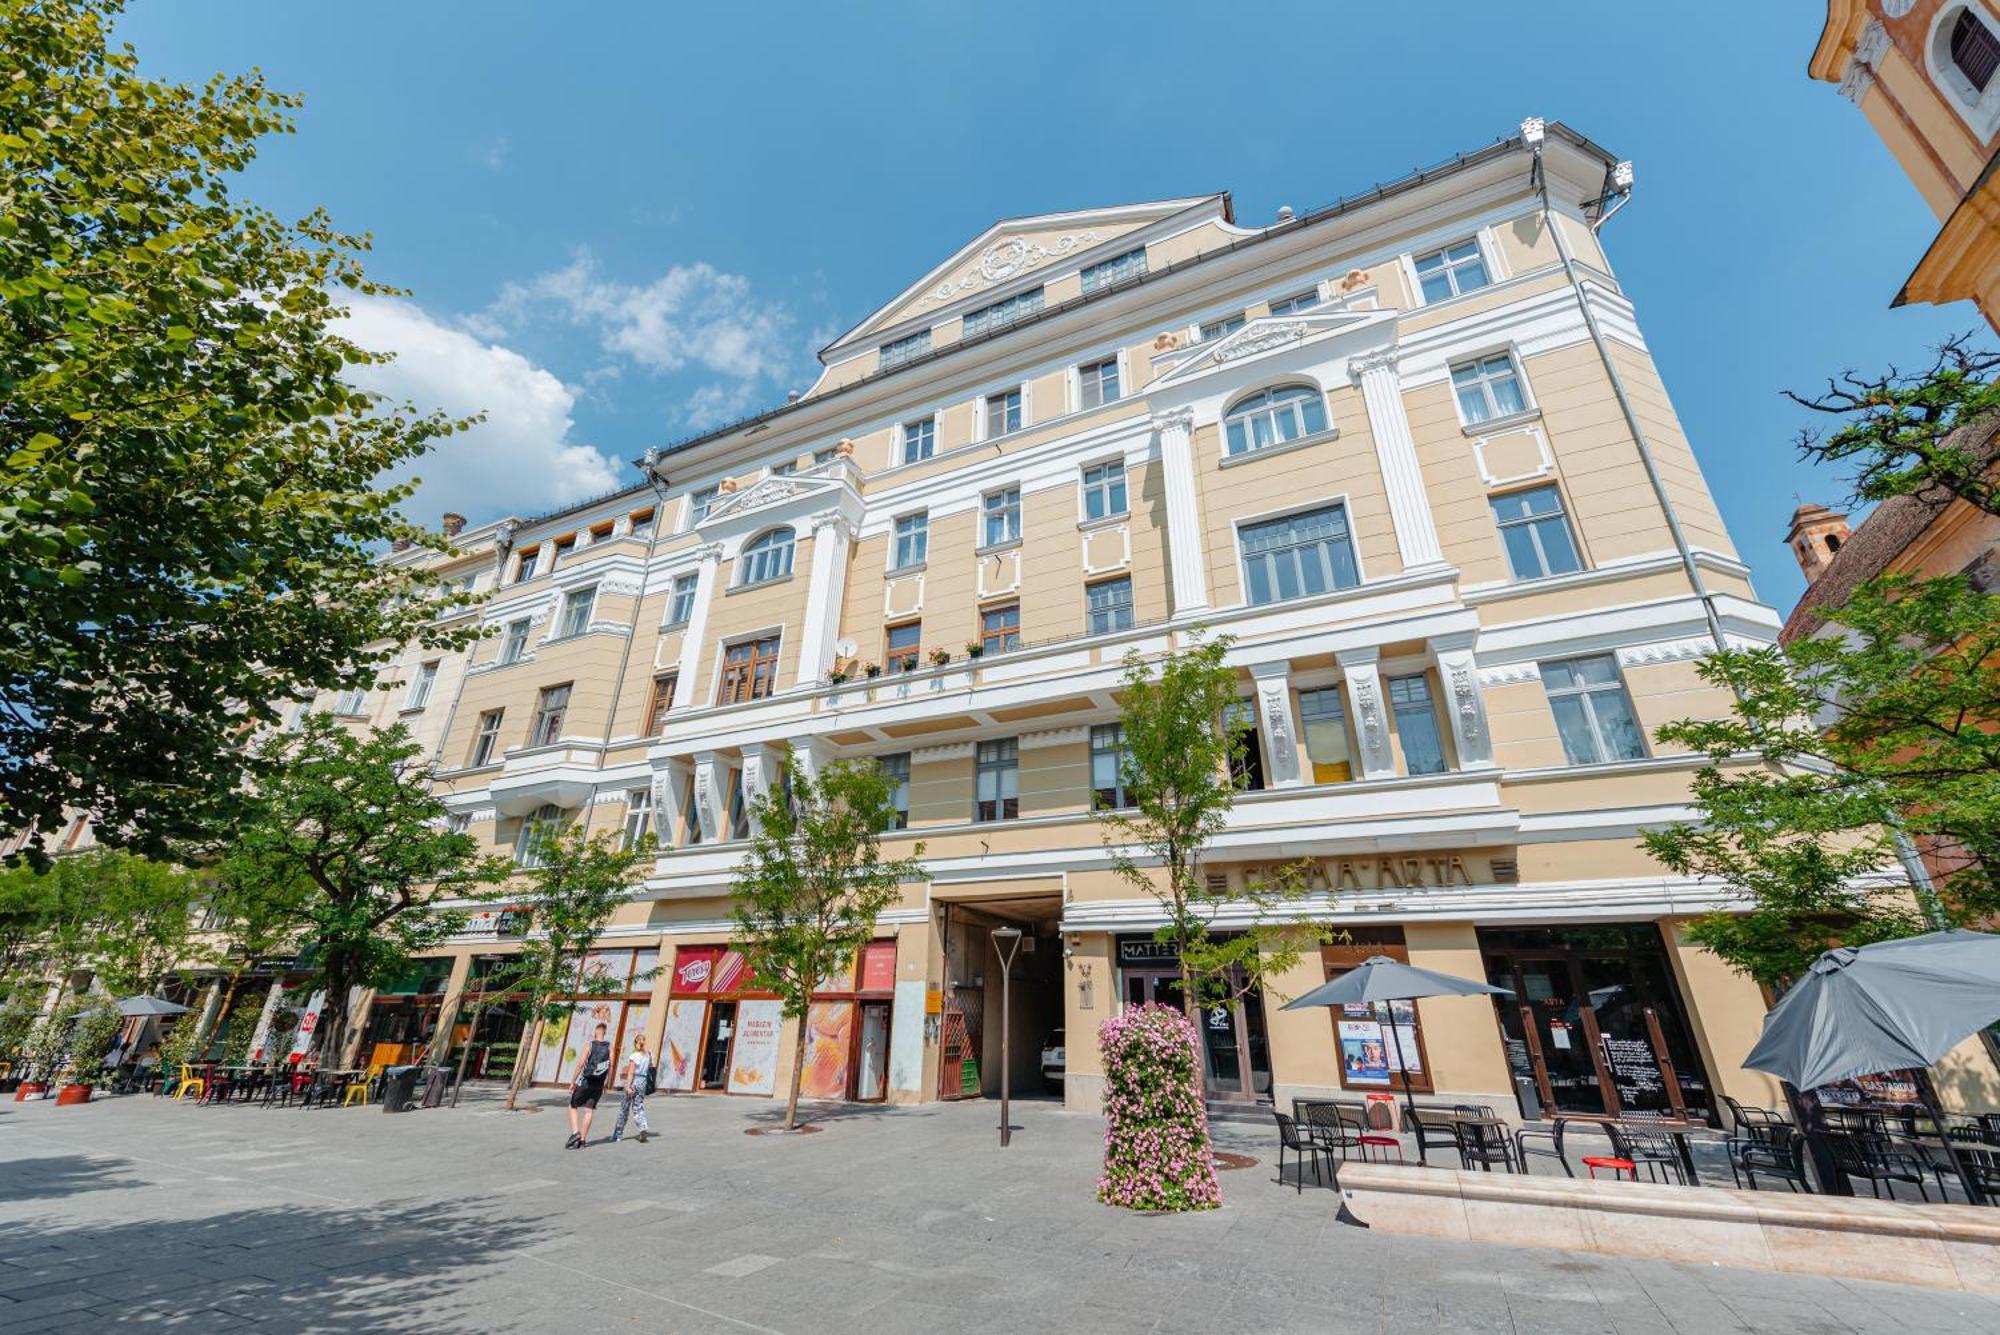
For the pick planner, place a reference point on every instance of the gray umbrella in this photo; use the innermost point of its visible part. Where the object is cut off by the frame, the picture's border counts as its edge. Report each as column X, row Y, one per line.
column 1891, row 1006
column 144, row 1005
column 1379, row 978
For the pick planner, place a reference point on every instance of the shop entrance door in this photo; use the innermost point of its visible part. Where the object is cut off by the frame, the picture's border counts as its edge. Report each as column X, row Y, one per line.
column 715, row 1050
column 1236, row 1052
column 871, row 1078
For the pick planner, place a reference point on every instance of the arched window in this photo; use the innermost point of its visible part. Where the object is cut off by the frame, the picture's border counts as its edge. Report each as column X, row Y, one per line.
column 1274, row 415
column 1833, row 542
column 766, row 556
column 1975, row 51
column 1963, row 58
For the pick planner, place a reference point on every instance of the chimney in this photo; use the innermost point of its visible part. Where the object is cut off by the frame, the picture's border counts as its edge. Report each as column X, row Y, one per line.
column 453, row 525
column 1815, row 535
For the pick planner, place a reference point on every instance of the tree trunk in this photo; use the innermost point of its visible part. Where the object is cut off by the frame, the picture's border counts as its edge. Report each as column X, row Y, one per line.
column 524, row 1057
column 464, row 1052
column 798, row 1067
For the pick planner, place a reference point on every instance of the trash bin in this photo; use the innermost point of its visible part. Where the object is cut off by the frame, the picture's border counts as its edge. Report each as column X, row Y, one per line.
column 437, row 1086
column 399, row 1088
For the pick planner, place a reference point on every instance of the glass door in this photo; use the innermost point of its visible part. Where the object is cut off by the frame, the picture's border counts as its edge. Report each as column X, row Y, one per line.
column 871, row 1083
column 715, row 1052
column 1546, row 994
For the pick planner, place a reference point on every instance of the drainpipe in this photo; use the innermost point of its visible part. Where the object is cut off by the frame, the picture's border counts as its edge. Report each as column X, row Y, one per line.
column 1532, row 132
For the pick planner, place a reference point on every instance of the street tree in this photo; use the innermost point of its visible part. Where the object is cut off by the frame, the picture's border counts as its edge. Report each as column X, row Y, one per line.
column 1887, row 725
column 190, row 512
column 578, row 882
column 813, row 883
column 1181, row 769
column 143, row 921
column 343, row 836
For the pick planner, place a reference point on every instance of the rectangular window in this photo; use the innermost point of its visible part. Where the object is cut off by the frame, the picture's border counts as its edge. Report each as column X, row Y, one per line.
column 896, row 768
column 1297, row 301
column 351, row 704
column 825, row 456
column 661, row 703
column 690, row 816
column 1536, row 533
column 1323, row 723
column 1451, row 270
column 525, row 562
column 1097, row 383
column 1104, row 490
column 1002, row 313
column 680, row 604
column 1417, row 724
column 638, row 816
column 1108, row 759
column 1000, row 628
column 1000, row 517
column 699, row 501
column 919, row 439
column 516, row 643
column 536, row 830
column 1223, row 328
column 642, row 524
column 997, row 781
column 421, row 686
column 1003, row 412
column 785, row 468
column 739, row 810
column 1298, row 556
column 1974, row 49
column 905, row 349
column 1593, row 714
column 1109, row 602
column 749, row 670
column 565, row 547
column 550, row 710
column 486, row 742
column 1246, row 759
column 577, row 608
column 1115, row 270
column 1488, row 387
column 900, row 645
column 913, row 541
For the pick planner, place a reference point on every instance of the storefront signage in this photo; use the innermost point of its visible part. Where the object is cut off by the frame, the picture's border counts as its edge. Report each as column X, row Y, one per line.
column 878, row 966
column 694, row 966
column 753, row 1063
column 512, row 921
column 1142, row 950
column 1423, row 872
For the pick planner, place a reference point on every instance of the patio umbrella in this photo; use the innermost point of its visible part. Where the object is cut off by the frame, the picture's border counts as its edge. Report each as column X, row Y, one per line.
column 1379, row 978
column 145, row 1005
column 1895, row 1005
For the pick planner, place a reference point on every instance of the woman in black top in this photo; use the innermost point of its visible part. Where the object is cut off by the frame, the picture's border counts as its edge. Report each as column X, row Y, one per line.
column 588, row 1087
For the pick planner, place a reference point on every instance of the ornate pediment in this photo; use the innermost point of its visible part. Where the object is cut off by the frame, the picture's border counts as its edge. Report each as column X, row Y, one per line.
column 788, row 499
column 759, row 496
column 1270, row 334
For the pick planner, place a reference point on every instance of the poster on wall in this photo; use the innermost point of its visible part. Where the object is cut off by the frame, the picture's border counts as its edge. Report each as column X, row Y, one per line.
column 635, row 1029
column 878, row 966
column 1364, row 1057
column 548, row 1055
column 583, row 1027
column 830, row 1034
column 753, row 1066
column 681, row 1045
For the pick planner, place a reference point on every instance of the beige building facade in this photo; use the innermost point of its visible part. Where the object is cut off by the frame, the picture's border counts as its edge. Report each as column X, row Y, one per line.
column 1410, row 452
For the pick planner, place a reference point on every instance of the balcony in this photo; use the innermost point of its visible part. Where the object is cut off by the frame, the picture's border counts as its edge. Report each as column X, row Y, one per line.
column 563, row 775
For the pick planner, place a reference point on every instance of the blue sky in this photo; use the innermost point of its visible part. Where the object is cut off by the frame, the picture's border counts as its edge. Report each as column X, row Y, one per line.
column 622, row 222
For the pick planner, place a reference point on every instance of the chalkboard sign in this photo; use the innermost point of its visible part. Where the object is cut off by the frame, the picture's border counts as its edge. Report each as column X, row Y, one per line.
column 968, row 1076
column 1633, row 1066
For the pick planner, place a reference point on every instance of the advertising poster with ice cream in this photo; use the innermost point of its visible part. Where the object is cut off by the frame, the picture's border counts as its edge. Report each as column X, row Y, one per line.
column 830, row 1033
column 681, row 1044
column 753, row 1066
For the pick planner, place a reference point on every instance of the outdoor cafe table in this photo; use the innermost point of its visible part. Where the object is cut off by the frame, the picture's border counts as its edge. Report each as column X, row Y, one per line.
column 1488, row 1131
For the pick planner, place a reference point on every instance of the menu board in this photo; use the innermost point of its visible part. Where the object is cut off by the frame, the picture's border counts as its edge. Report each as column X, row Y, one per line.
column 753, row 1065
column 1632, row 1065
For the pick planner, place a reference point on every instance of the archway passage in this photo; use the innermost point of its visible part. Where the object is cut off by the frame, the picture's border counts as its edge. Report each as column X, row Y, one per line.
column 971, row 1034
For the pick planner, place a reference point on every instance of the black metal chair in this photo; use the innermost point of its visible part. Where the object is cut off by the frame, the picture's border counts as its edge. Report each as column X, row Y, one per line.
column 1655, row 1151
column 1434, row 1128
column 1762, row 1124
column 1301, row 1147
column 1780, row 1154
column 1481, row 1147
column 1876, row 1159
column 1330, row 1131
column 1543, row 1143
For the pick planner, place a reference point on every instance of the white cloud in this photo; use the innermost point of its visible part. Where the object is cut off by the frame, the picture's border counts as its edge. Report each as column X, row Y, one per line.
column 495, row 154
column 712, row 405
column 520, row 459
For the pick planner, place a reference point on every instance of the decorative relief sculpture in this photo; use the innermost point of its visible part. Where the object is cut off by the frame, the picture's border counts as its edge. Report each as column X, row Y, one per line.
column 1275, row 716
column 1465, row 697
column 1383, row 359
column 1252, row 341
column 1003, row 259
column 1369, row 709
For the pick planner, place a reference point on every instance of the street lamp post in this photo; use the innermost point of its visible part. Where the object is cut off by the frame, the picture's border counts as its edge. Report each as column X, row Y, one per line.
column 1006, row 941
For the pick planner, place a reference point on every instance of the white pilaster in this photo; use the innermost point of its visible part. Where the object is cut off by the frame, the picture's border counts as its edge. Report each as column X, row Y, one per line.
column 763, row 766
column 1465, row 702
column 707, row 569
column 1185, row 548
column 1276, row 725
column 669, row 778
column 1396, row 453
column 825, row 590
column 1371, row 713
column 711, row 796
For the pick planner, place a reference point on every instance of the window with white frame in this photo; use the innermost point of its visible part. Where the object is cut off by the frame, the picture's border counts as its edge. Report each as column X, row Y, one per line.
column 1323, row 727
column 1223, row 328
column 826, row 456
column 421, row 685
column 486, row 741
column 739, row 809
column 699, row 501
column 638, row 816
column 1594, row 715
column 767, row 556
column 1097, row 383
column 1296, row 301
column 564, row 549
column 531, row 844
column 1451, row 270
column 919, row 439
column 525, row 562
column 642, row 524
column 1000, row 627
column 784, row 468
column 905, row 349
column 997, row 780
column 577, row 607
column 1104, row 490
column 680, row 603
column 690, row 814
column 901, row 645
column 1003, row 412
column 913, row 540
column 1115, row 270
column 551, row 709
column 896, row 769
column 1972, row 48
column 515, row 643
column 1417, row 724
column 1002, row 313
column 1488, row 387
column 351, row 704
column 1298, row 555
column 1271, row 416
column 1109, row 605
column 1109, row 757
column 1535, row 532
column 1000, row 517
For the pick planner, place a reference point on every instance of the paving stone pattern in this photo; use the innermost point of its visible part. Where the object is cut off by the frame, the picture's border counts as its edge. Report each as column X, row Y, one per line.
column 137, row 1212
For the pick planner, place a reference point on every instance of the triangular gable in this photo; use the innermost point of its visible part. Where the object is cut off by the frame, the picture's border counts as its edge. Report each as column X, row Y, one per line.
column 1010, row 250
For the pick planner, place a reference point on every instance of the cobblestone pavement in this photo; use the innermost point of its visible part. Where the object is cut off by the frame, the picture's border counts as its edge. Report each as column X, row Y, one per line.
column 137, row 1210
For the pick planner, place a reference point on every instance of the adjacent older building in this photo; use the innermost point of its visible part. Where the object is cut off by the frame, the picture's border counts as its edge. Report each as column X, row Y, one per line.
column 1410, row 451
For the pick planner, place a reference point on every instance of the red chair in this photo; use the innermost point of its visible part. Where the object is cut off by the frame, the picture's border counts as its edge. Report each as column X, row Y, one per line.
column 1381, row 1149
column 1596, row 1161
